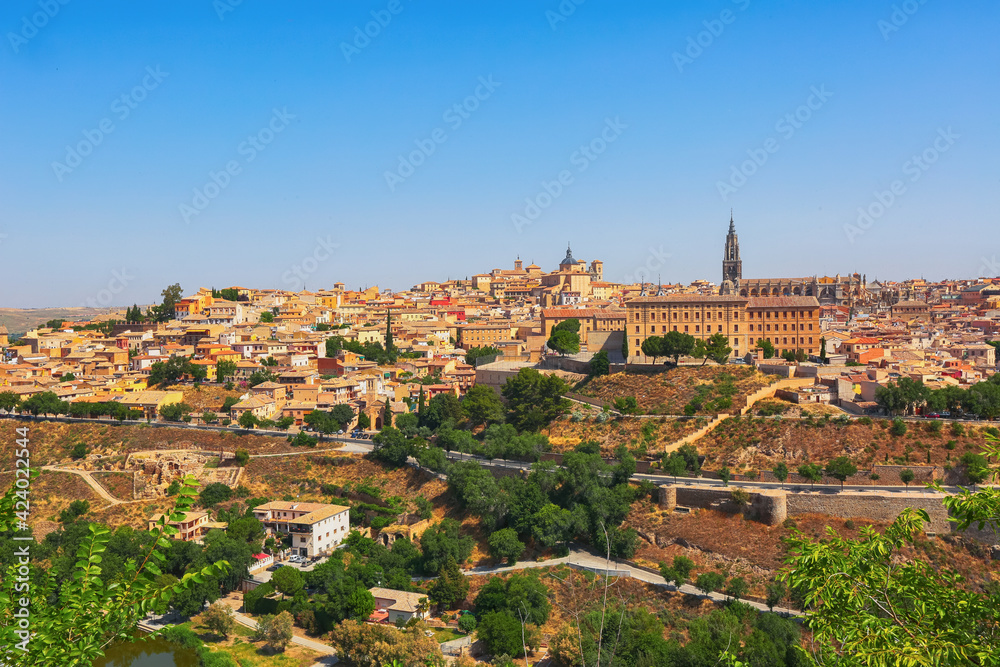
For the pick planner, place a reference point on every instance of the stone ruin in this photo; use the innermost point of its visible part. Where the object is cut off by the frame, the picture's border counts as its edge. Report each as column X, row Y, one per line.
column 153, row 472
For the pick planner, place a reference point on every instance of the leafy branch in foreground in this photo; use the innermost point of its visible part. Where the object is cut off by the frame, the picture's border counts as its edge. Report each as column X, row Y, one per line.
column 73, row 621
column 869, row 604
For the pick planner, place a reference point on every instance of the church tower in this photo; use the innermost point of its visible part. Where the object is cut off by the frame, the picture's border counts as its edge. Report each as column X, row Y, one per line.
column 732, row 265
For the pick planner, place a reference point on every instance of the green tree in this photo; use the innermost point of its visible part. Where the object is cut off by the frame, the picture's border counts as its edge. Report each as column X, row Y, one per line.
column 360, row 603
column 500, row 632
column 869, row 604
column 342, row 414
column 780, row 472
column 521, row 592
column 247, row 420
column 504, row 545
column 625, row 345
column 467, row 623
column 564, row 337
column 534, row 399
column 653, row 347
column 709, row 582
column 822, row 350
column 563, row 341
column 725, row 475
column 482, row 405
column 736, row 588
column 165, row 311
column 442, row 542
column 174, row 412
column 79, row 451
column 715, row 348
column 276, row 630
column 364, row 421
column 441, row 409
column 45, row 403
column 289, row 581
column 389, row 346
column 75, row 617
column 767, row 347
column 391, row 447
column 811, row 472
column 225, row 370
column 219, row 619
column 9, row 401
column 678, row 572
column 976, row 467
column 213, row 494
column 676, row 344
column 450, row 587
column 840, row 469
column 242, row 457
column 775, row 592
column 906, row 476
column 674, row 465
column 208, row 416
column 474, row 354
column 599, row 364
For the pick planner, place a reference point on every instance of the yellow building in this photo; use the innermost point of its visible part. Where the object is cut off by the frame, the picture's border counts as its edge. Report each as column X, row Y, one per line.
column 699, row 315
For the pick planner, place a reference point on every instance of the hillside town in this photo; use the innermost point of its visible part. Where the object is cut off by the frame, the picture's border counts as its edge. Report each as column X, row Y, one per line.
column 291, row 353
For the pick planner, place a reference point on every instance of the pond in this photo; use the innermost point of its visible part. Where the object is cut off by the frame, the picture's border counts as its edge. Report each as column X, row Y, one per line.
column 152, row 653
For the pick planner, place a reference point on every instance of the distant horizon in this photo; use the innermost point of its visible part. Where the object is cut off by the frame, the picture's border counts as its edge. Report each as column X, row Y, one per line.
column 374, row 142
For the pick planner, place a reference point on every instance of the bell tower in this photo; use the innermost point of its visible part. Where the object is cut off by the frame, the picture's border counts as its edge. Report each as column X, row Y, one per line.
column 732, row 265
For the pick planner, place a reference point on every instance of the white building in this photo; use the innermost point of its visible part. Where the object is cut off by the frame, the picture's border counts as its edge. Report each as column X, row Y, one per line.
column 316, row 528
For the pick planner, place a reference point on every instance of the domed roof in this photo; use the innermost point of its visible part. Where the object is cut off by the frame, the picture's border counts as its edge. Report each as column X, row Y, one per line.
column 569, row 258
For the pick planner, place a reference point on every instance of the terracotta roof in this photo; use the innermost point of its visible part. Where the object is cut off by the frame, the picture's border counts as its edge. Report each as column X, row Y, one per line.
column 782, row 302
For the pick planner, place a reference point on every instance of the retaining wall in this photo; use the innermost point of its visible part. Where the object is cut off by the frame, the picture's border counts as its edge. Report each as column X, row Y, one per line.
column 773, row 506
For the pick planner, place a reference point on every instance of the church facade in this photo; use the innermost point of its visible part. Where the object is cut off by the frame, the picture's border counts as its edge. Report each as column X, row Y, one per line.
column 852, row 290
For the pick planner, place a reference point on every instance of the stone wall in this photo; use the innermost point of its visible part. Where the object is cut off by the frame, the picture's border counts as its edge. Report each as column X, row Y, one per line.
column 772, row 507
column 876, row 506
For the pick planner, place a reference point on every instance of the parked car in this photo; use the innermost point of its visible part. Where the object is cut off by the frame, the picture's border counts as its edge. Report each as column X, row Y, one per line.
column 933, row 415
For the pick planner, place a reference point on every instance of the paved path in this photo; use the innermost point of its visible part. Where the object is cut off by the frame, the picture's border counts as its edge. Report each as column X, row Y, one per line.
column 589, row 561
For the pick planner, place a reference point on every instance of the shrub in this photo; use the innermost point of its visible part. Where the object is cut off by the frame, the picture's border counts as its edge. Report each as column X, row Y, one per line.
column 898, row 427
column 865, row 421
column 467, row 623
column 957, row 430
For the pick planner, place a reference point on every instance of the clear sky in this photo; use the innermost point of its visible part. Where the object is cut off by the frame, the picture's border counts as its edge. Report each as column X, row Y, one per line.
column 115, row 116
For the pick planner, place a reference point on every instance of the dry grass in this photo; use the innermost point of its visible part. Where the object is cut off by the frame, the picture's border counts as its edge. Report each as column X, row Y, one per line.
column 51, row 442
column 668, row 392
column 645, row 438
column 52, row 492
column 118, row 484
column 758, row 443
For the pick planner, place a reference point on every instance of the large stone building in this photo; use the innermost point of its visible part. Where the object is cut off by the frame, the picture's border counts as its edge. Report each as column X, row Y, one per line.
column 852, row 290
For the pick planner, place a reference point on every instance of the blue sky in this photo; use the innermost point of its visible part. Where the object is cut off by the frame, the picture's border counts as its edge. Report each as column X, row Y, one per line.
column 643, row 109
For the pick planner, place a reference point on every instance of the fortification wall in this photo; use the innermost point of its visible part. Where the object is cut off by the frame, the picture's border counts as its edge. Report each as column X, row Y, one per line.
column 774, row 506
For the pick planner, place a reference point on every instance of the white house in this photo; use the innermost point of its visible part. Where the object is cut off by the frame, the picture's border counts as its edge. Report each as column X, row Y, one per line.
column 316, row 528
column 391, row 605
